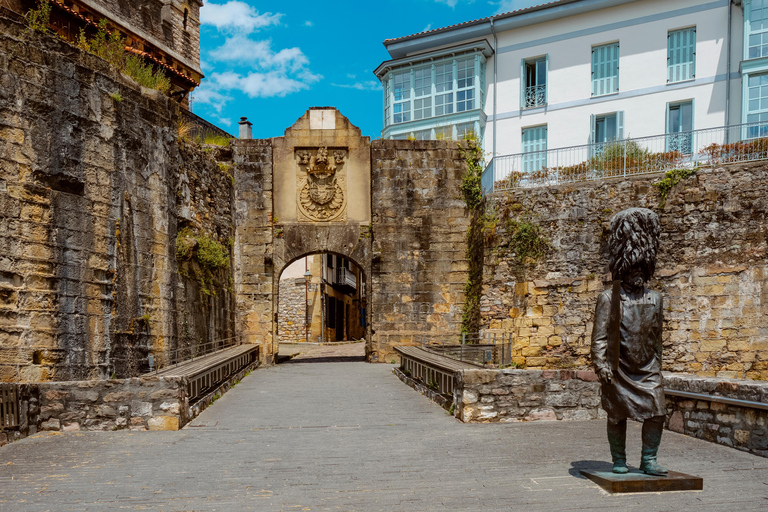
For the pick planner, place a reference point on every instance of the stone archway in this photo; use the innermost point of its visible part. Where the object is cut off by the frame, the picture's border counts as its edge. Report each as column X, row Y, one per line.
column 364, row 286
column 392, row 206
column 311, row 195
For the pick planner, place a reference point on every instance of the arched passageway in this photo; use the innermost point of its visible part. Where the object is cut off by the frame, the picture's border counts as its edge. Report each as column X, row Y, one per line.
column 322, row 301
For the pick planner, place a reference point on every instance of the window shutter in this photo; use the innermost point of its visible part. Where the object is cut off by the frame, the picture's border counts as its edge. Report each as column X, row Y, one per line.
column 522, row 84
column 546, row 83
column 620, row 125
column 605, row 69
column 593, row 136
column 681, row 55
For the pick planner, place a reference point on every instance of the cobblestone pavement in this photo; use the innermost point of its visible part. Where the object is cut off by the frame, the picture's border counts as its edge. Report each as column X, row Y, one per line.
column 351, row 437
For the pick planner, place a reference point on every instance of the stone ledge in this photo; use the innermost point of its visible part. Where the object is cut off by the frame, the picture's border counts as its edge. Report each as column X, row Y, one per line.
column 738, row 389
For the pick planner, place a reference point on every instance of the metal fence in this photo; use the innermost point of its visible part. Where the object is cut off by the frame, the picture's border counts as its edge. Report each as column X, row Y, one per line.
column 184, row 354
column 9, row 406
column 490, row 349
column 644, row 155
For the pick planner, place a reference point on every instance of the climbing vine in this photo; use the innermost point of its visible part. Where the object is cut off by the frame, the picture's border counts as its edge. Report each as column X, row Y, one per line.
column 209, row 256
column 527, row 240
column 471, row 189
column 671, row 178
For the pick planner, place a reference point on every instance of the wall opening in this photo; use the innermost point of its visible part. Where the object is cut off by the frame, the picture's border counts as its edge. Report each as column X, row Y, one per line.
column 322, row 300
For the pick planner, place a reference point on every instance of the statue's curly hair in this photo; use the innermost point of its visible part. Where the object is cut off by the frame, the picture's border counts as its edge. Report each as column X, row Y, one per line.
column 634, row 241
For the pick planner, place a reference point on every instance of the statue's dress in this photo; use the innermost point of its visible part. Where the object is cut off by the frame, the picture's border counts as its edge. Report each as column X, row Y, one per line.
column 636, row 388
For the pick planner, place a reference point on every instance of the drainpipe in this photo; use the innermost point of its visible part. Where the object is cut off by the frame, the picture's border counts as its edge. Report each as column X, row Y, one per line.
column 728, row 77
column 495, row 59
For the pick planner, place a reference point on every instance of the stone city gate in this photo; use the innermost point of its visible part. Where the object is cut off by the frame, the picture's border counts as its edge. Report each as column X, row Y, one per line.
column 392, row 207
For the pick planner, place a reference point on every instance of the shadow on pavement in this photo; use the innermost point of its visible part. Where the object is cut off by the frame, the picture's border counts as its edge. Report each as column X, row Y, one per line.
column 325, row 359
column 595, row 465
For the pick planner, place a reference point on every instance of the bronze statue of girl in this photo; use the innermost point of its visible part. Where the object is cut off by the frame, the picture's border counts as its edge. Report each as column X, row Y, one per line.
column 626, row 339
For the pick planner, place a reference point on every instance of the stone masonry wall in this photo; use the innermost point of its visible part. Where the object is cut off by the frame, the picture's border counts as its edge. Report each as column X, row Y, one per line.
column 485, row 396
column 291, row 312
column 253, row 261
column 744, row 428
column 711, row 270
column 92, row 192
column 419, row 243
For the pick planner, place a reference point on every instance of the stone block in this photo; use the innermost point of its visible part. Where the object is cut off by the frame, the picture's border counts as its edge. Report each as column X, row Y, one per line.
column 52, row 424
column 676, row 422
column 543, row 414
column 55, row 395
column 141, row 408
column 118, row 396
column 163, row 423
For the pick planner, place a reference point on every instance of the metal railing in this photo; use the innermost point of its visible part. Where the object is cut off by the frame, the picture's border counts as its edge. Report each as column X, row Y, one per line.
column 184, row 354
column 490, row 349
column 346, row 277
column 535, row 96
column 9, row 406
column 644, row 155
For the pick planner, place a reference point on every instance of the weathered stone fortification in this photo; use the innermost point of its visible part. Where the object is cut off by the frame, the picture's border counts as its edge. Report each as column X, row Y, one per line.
column 742, row 427
column 419, row 243
column 409, row 241
column 93, row 189
column 712, row 270
column 291, row 312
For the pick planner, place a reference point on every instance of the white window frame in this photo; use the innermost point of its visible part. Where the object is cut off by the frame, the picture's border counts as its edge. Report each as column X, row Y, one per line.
column 526, row 92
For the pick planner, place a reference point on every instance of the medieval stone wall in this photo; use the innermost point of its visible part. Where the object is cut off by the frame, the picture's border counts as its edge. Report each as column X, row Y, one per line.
column 419, row 243
column 94, row 185
column 712, row 269
column 291, row 312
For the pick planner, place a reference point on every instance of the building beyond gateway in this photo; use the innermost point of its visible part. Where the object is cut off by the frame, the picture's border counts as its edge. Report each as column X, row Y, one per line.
column 576, row 72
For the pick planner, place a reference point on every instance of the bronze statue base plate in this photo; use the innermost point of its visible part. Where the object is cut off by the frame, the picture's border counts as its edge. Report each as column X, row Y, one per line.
column 635, row 481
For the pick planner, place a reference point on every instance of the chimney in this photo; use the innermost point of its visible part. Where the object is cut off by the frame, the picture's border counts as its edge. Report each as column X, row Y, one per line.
column 245, row 128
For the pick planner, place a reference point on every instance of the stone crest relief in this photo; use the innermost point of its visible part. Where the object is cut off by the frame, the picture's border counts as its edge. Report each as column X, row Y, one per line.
column 321, row 184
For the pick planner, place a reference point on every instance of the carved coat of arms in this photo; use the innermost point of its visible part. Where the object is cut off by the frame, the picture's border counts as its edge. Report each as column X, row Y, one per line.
column 321, row 188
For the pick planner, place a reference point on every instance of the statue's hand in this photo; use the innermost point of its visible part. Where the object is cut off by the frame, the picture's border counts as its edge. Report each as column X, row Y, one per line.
column 604, row 375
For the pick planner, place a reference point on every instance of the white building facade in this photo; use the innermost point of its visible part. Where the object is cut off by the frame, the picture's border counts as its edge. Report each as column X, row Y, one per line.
column 577, row 72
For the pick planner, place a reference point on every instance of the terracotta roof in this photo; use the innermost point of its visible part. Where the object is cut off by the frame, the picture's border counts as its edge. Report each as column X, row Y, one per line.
column 482, row 20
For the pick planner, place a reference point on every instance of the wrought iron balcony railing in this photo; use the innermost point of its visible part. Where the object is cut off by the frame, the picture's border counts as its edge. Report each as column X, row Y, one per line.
column 645, row 155
column 535, row 96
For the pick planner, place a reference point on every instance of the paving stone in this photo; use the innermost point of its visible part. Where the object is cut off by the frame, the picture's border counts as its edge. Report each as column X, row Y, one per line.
column 350, row 436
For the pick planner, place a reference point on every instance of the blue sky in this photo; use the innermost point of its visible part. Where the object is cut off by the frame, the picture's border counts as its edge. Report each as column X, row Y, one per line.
column 270, row 61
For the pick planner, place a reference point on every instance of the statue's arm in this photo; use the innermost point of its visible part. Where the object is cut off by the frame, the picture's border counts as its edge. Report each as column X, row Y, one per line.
column 600, row 333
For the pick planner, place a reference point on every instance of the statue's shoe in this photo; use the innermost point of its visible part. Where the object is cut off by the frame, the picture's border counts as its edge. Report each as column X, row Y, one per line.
column 652, row 467
column 620, row 468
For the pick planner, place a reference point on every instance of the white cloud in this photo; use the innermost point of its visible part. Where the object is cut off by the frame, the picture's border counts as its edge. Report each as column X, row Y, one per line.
column 308, row 24
column 368, row 85
column 244, row 50
column 237, row 16
column 224, row 120
column 208, row 94
column 428, row 27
